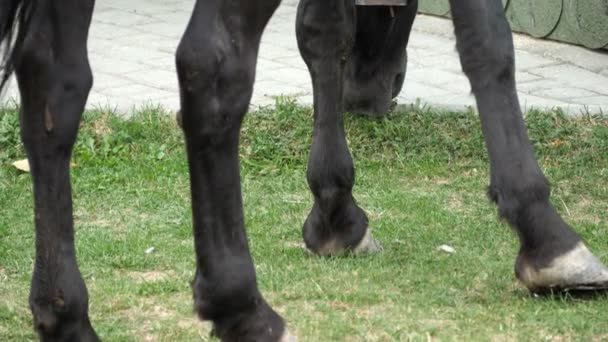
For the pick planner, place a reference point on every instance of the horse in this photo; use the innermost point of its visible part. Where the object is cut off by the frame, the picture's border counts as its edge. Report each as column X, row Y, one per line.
column 356, row 56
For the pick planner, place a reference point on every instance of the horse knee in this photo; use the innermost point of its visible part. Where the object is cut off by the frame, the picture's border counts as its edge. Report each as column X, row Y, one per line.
column 53, row 90
column 325, row 32
column 216, row 86
column 486, row 52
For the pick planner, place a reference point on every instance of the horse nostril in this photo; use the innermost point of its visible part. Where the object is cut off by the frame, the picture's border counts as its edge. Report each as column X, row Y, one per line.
column 46, row 325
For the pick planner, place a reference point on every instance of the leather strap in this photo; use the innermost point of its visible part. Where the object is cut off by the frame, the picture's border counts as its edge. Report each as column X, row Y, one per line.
column 381, row 2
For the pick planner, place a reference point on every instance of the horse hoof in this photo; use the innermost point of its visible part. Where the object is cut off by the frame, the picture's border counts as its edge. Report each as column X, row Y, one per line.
column 368, row 245
column 287, row 337
column 576, row 270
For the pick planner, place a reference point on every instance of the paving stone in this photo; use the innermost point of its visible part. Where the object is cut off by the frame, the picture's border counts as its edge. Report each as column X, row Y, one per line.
column 100, row 63
column 449, row 61
column 522, row 76
column 528, row 101
column 594, row 101
column 103, row 80
column 568, row 93
column 294, row 76
column 272, row 88
column 453, row 80
column 132, row 96
column 526, row 61
column 566, row 74
column 123, row 18
column 132, row 46
column 160, row 79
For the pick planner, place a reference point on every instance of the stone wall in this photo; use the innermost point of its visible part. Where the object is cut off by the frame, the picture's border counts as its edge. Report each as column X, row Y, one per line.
column 582, row 22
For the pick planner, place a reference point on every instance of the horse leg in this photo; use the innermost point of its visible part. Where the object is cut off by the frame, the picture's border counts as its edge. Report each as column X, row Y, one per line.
column 551, row 255
column 375, row 71
column 54, row 81
column 216, row 61
column 325, row 31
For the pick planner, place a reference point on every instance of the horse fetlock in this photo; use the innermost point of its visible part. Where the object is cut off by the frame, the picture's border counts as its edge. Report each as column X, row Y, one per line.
column 514, row 198
column 260, row 324
column 227, row 293
column 62, row 316
column 236, row 308
column 575, row 269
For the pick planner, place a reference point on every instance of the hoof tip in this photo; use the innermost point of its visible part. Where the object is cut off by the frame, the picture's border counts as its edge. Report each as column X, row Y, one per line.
column 575, row 270
column 368, row 245
column 287, row 337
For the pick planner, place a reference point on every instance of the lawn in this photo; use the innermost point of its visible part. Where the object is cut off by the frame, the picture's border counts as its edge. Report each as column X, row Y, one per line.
column 421, row 177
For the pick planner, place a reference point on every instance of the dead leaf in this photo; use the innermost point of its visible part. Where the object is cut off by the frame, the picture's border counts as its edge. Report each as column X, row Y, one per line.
column 22, row 165
column 447, row 249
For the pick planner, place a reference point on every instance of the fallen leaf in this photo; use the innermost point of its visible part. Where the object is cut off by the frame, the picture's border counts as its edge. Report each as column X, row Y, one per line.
column 22, row 165
column 447, row 249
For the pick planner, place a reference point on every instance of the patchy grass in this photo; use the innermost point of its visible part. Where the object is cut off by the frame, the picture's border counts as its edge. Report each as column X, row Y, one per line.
column 421, row 176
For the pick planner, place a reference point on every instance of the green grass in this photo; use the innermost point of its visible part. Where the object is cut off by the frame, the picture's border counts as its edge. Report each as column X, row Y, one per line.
column 421, row 176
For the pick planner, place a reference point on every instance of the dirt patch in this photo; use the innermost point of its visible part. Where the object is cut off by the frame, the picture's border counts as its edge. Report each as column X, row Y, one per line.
column 582, row 210
column 101, row 126
column 455, row 203
column 436, row 324
column 145, row 319
column 600, row 338
column 295, row 245
column 503, row 338
column 150, row 276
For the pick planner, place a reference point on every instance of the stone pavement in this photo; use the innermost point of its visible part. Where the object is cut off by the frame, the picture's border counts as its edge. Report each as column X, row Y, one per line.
column 132, row 44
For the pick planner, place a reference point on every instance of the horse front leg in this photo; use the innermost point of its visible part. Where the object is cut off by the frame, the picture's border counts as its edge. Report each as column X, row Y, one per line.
column 54, row 80
column 552, row 256
column 216, row 62
column 326, row 31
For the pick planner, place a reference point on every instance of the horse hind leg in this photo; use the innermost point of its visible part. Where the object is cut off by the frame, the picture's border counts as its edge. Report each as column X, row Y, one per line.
column 216, row 61
column 54, row 79
column 552, row 256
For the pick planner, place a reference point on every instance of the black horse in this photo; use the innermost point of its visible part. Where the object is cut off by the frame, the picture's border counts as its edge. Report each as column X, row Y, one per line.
column 356, row 57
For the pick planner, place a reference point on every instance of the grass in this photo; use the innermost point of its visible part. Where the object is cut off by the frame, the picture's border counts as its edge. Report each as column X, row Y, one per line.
column 421, row 176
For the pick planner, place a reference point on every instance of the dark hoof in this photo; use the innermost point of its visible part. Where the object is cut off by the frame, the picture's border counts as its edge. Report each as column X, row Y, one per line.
column 575, row 270
column 368, row 245
column 287, row 337
column 339, row 234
